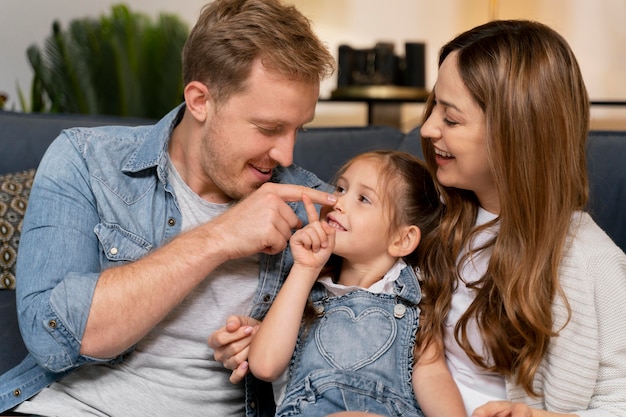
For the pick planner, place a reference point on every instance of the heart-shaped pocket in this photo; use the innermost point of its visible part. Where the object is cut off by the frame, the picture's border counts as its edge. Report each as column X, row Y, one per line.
column 351, row 342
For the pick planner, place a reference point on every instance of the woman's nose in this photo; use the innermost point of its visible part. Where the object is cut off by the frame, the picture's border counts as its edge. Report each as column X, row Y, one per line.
column 430, row 129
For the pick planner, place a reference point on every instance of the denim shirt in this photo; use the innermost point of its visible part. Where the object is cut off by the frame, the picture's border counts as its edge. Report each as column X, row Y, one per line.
column 101, row 197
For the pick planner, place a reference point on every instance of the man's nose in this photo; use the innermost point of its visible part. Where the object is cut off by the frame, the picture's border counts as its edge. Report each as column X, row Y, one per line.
column 282, row 151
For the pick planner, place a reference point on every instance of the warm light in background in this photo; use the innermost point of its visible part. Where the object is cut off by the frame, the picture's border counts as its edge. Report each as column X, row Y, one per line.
column 493, row 9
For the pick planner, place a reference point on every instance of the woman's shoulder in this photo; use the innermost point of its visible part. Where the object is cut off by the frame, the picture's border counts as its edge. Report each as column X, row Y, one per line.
column 590, row 254
column 586, row 233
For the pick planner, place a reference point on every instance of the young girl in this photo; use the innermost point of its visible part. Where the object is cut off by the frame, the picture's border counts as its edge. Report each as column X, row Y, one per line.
column 358, row 351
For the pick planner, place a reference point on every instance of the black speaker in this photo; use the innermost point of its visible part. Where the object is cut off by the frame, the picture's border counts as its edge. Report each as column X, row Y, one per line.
column 415, row 64
column 346, row 66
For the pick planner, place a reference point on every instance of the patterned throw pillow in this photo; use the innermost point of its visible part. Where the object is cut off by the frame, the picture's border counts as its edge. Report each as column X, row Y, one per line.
column 14, row 192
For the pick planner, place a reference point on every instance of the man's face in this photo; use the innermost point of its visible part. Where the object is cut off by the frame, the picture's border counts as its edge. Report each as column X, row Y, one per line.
column 254, row 131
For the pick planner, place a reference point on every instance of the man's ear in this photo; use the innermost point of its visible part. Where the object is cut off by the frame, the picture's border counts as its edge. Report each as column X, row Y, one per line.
column 405, row 241
column 198, row 100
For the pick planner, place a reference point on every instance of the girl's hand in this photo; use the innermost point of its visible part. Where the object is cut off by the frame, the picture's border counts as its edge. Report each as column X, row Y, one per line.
column 231, row 344
column 312, row 245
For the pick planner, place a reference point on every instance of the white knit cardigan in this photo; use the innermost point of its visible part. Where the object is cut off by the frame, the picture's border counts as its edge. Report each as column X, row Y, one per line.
column 584, row 370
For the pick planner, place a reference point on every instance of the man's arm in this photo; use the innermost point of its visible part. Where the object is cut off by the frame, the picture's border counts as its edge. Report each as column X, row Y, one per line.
column 131, row 299
column 63, row 292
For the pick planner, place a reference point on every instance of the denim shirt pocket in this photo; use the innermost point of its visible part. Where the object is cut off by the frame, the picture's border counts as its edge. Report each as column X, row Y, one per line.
column 120, row 245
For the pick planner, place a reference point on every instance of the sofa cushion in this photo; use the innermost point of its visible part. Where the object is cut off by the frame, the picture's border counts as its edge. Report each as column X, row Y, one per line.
column 14, row 192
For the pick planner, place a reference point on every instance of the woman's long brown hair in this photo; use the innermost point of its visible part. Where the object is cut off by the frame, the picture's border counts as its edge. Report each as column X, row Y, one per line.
column 525, row 78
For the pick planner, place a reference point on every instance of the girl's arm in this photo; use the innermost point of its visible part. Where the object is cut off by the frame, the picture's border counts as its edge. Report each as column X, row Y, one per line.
column 273, row 344
column 435, row 389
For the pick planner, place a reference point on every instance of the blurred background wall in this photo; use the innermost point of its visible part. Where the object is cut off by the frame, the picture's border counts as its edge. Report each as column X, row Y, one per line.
column 595, row 30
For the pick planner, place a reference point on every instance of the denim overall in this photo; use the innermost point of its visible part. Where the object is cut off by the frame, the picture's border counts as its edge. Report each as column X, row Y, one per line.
column 358, row 356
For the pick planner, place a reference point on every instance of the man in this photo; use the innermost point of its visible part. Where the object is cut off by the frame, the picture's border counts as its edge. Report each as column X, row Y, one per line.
column 140, row 242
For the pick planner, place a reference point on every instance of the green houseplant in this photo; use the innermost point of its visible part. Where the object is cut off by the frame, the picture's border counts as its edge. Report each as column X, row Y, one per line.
column 124, row 64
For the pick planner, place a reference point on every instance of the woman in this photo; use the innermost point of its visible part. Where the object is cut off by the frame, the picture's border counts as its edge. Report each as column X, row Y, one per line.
column 523, row 288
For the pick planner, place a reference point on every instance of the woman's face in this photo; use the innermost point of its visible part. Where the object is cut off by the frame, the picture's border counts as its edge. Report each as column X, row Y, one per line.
column 456, row 128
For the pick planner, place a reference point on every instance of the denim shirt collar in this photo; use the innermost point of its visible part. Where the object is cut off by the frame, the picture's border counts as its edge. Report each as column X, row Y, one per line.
column 153, row 151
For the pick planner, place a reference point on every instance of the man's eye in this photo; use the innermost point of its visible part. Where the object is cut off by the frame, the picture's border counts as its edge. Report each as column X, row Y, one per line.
column 269, row 130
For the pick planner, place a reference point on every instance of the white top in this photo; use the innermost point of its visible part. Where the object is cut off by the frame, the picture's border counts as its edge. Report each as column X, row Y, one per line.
column 584, row 369
column 382, row 286
column 477, row 386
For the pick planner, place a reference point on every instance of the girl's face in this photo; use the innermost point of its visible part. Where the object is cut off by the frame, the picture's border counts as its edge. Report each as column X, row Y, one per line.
column 361, row 215
column 456, row 127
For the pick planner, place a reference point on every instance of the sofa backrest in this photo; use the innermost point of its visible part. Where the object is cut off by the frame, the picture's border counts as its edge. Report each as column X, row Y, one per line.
column 606, row 164
column 24, row 137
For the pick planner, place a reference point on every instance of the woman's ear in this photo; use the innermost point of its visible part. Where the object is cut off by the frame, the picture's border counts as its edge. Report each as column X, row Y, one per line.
column 198, row 100
column 405, row 242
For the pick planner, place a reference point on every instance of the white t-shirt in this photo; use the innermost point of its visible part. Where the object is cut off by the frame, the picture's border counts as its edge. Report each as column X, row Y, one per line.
column 477, row 386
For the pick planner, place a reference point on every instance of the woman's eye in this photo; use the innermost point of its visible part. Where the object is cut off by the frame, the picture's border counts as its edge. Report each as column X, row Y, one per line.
column 449, row 122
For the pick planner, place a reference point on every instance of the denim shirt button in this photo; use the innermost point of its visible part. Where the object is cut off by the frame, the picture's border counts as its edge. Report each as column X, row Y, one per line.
column 171, row 221
column 399, row 310
column 113, row 251
column 17, row 392
column 52, row 324
column 267, row 298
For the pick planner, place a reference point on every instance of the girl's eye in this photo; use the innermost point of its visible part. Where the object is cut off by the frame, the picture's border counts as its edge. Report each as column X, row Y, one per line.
column 364, row 199
column 339, row 189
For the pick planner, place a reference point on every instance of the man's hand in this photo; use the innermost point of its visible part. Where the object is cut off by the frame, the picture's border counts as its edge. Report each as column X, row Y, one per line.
column 263, row 222
column 231, row 343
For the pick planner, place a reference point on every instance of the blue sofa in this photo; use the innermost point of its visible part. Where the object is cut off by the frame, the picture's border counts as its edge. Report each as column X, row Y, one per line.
column 25, row 137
